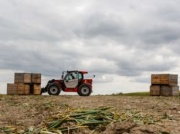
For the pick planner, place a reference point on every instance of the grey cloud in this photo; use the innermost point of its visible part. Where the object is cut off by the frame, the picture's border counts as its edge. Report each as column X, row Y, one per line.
column 134, row 63
column 159, row 35
column 30, row 22
column 101, row 25
column 152, row 33
column 65, row 35
column 35, row 61
column 169, row 12
column 134, row 69
column 142, row 79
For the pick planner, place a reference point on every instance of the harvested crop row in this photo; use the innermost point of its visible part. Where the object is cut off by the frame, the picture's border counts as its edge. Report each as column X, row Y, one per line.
column 74, row 120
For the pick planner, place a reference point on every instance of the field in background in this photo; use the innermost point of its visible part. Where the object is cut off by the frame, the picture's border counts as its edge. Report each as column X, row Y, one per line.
column 133, row 112
column 132, row 94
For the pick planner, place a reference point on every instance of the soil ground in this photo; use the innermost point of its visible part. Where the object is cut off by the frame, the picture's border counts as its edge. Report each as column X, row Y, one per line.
column 145, row 114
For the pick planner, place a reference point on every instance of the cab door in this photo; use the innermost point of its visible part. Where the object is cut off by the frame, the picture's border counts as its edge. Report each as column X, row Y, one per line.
column 71, row 80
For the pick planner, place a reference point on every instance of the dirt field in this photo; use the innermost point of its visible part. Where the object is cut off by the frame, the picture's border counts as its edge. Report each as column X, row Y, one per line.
column 136, row 114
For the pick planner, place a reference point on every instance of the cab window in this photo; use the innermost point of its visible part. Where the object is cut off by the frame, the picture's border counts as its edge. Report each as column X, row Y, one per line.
column 70, row 76
column 80, row 76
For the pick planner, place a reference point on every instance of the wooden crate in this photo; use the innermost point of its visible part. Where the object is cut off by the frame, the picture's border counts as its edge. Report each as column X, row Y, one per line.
column 155, row 90
column 155, row 79
column 20, row 89
column 27, row 89
column 166, row 90
column 164, row 79
column 169, row 90
column 175, row 91
column 23, row 89
column 36, row 78
column 36, row 89
column 169, row 79
column 12, row 89
column 22, row 78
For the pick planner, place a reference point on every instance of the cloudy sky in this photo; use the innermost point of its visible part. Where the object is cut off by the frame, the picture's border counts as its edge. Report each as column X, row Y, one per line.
column 122, row 42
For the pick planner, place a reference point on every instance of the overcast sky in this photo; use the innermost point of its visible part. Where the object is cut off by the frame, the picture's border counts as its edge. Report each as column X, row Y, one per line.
column 122, row 42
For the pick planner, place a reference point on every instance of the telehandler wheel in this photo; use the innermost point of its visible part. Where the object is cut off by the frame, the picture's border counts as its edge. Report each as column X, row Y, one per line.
column 84, row 90
column 53, row 89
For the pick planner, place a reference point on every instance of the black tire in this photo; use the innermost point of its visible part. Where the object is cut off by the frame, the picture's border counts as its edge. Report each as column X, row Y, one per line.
column 84, row 90
column 53, row 89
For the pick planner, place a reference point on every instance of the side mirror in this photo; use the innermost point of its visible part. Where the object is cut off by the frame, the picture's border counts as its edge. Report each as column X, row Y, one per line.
column 62, row 77
column 94, row 76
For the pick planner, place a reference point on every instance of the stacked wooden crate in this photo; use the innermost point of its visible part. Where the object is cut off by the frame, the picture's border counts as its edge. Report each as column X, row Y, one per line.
column 164, row 85
column 23, row 81
column 12, row 88
column 25, row 84
column 36, row 84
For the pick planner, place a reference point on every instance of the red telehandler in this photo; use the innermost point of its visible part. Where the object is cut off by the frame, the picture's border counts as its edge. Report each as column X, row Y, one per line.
column 71, row 81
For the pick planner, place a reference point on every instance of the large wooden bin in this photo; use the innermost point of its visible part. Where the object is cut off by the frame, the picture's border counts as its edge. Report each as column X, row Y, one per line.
column 167, row 90
column 36, row 89
column 155, row 90
column 36, row 78
column 175, row 91
column 27, row 88
column 12, row 89
column 23, row 89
